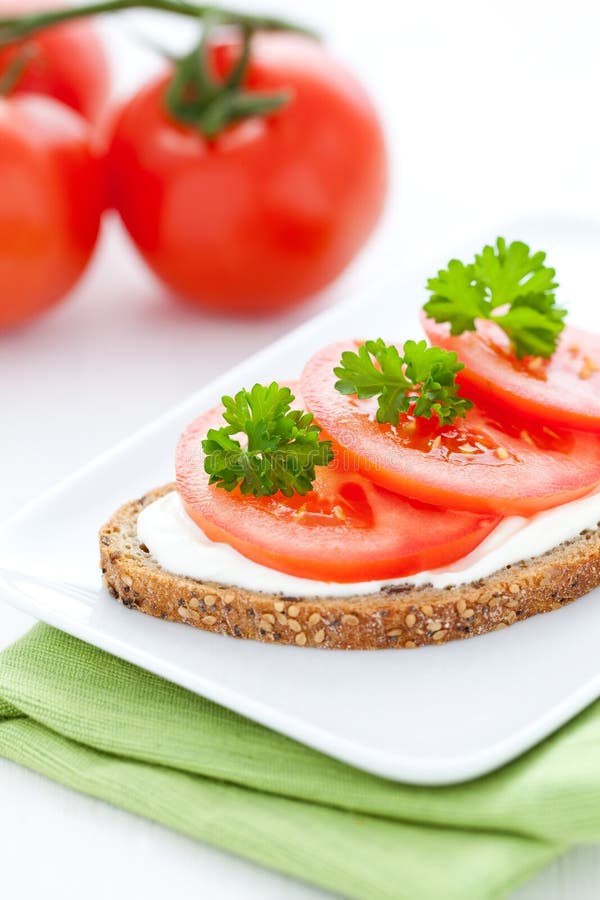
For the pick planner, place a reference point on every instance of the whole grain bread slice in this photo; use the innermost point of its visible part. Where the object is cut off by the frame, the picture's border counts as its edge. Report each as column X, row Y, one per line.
column 398, row 616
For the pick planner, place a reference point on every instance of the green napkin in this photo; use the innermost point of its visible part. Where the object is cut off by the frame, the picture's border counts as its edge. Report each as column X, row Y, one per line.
column 109, row 729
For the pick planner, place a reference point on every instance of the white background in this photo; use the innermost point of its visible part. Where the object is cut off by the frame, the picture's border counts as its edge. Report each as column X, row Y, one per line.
column 491, row 111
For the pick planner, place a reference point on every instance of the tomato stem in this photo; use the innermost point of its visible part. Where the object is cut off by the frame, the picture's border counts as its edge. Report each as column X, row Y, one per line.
column 195, row 98
column 16, row 28
column 12, row 75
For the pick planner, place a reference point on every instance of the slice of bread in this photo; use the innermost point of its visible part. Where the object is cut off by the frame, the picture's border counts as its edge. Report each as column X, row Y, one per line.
column 398, row 616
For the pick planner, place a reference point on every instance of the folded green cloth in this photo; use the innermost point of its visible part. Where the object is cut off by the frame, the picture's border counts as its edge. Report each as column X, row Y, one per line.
column 109, row 729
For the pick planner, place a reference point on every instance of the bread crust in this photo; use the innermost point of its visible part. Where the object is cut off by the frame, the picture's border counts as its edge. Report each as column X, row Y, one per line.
column 399, row 616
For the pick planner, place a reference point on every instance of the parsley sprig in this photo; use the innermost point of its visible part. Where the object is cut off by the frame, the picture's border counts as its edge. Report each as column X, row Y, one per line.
column 421, row 381
column 281, row 447
column 506, row 284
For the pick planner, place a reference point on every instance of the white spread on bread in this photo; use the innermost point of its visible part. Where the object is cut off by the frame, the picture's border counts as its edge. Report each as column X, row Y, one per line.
column 181, row 548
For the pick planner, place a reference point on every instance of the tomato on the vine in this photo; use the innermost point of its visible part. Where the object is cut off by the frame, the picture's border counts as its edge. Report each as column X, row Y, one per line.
column 272, row 208
column 66, row 62
column 52, row 198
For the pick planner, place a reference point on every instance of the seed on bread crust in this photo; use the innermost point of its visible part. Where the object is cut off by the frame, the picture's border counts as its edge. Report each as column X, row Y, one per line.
column 398, row 617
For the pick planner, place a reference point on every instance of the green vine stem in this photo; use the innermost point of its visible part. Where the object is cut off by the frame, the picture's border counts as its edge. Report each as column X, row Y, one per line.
column 10, row 78
column 16, row 28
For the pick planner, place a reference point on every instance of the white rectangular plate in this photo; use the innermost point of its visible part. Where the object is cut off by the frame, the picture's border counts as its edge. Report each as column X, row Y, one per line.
column 431, row 716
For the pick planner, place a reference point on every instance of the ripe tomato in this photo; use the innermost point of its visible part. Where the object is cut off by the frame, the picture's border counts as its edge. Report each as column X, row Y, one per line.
column 52, row 198
column 66, row 62
column 272, row 209
column 483, row 462
column 563, row 390
column 347, row 529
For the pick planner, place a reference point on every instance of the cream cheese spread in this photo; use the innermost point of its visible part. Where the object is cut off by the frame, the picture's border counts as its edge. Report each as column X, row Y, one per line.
column 181, row 547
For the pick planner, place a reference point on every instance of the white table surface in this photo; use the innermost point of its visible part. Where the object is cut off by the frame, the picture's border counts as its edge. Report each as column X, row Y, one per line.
column 491, row 112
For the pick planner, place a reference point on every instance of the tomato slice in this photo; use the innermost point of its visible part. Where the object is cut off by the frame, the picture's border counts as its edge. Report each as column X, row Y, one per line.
column 346, row 530
column 563, row 390
column 485, row 462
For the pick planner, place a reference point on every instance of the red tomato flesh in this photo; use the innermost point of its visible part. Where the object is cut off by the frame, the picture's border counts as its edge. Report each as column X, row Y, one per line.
column 346, row 530
column 563, row 390
column 484, row 462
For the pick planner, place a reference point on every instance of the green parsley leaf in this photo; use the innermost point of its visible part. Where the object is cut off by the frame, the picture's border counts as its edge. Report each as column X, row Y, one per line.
column 421, row 381
column 280, row 450
column 457, row 298
column 506, row 284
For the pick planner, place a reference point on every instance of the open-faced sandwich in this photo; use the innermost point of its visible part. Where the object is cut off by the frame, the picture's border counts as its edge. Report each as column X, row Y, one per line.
column 400, row 494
